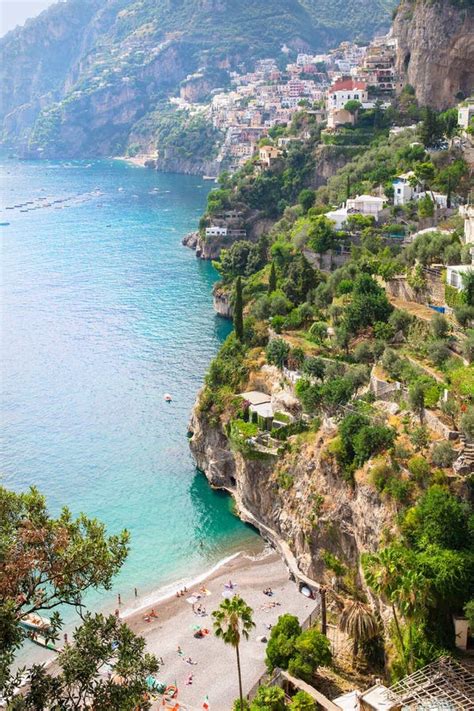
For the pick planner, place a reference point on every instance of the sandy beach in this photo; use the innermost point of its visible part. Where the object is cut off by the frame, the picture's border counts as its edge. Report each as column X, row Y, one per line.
column 213, row 665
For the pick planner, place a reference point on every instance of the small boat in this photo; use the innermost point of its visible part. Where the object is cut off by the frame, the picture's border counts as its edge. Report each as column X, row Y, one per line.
column 42, row 641
column 35, row 622
column 209, row 177
column 167, row 397
column 4, row 224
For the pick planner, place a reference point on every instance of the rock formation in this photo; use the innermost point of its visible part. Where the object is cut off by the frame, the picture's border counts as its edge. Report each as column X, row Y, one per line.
column 436, row 49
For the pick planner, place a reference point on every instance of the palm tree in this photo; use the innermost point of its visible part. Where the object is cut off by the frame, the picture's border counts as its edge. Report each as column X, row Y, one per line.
column 232, row 621
column 358, row 622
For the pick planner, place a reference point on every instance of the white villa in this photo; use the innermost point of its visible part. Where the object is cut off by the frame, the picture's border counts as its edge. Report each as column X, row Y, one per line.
column 404, row 191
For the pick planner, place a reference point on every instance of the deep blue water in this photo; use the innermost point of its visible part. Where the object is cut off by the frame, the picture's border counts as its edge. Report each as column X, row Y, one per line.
column 103, row 311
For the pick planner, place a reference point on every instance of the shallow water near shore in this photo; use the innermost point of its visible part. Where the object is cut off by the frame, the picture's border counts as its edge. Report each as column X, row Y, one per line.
column 103, row 312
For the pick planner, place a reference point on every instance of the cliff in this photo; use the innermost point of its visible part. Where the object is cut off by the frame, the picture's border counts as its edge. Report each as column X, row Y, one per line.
column 311, row 509
column 436, row 49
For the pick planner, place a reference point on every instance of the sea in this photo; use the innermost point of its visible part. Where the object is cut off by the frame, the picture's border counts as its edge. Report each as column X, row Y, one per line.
column 103, row 312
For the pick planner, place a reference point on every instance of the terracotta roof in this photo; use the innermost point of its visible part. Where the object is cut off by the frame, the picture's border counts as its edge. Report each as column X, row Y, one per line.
column 347, row 85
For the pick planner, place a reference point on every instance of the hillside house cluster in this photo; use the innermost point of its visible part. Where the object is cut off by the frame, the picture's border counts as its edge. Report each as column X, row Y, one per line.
column 318, row 83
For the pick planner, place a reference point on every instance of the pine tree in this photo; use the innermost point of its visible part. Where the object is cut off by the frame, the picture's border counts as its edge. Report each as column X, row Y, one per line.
column 272, row 279
column 238, row 310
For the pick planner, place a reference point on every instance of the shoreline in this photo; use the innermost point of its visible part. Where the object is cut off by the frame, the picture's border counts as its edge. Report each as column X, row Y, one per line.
column 138, row 160
column 204, row 666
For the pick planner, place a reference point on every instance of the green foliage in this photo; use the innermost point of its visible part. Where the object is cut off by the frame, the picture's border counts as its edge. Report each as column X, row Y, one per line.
column 272, row 280
column 243, row 258
column 269, row 698
column 431, row 129
column 281, row 645
column 333, row 563
column 312, row 649
column 302, row 701
column 467, row 423
column 238, row 316
column 55, row 567
column 419, row 468
column 277, row 352
column 360, row 440
column 306, row 198
column 98, row 642
column 439, row 326
column 321, row 234
column 439, row 519
column 443, row 454
column 369, row 304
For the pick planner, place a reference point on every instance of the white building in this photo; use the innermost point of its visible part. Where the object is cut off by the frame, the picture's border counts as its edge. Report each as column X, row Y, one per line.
column 366, row 205
column 454, row 274
column 404, row 191
column 339, row 217
column 215, row 231
column 465, row 113
column 467, row 212
column 345, row 90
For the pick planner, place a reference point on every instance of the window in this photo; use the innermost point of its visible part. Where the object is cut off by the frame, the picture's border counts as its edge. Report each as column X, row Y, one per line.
column 356, row 96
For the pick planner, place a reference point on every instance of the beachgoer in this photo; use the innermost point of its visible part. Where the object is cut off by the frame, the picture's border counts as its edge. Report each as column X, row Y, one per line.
column 119, row 599
column 180, row 651
column 189, row 680
column 65, row 638
column 161, row 660
column 117, row 612
column 136, row 592
column 153, row 613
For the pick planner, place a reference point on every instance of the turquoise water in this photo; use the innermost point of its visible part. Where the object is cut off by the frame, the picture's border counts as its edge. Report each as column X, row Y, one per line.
column 103, row 312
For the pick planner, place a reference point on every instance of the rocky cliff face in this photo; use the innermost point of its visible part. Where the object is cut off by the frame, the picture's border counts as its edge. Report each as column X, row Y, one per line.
column 316, row 512
column 436, row 49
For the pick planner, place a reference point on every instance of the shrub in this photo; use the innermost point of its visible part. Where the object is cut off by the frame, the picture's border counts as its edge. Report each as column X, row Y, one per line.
column 464, row 315
column 440, row 519
column 419, row 437
column 443, row 454
column 468, row 348
column 269, row 698
column 370, row 440
column 392, row 363
column 333, row 563
column 318, row 331
column 363, row 353
column 314, row 367
column 277, row 352
column 281, row 645
column 302, row 701
column 467, row 423
column 438, row 352
column 439, row 326
column 400, row 320
column 312, row 650
column 380, row 474
column 278, row 323
column 280, row 305
column 419, row 468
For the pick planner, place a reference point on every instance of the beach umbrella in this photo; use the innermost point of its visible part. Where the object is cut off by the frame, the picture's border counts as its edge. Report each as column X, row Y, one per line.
column 196, row 628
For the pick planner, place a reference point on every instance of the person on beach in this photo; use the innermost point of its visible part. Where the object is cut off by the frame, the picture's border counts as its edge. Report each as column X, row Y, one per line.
column 119, row 599
column 153, row 613
column 136, row 592
column 189, row 680
column 117, row 612
column 180, row 651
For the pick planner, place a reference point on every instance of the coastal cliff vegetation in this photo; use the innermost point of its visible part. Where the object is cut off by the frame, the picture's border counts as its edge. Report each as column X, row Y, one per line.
column 327, row 410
